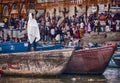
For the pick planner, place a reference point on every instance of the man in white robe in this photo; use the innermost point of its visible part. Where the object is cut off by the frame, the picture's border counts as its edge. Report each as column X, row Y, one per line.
column 33, row 31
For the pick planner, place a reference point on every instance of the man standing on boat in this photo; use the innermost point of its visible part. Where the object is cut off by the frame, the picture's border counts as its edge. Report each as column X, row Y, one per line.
column 33, row 31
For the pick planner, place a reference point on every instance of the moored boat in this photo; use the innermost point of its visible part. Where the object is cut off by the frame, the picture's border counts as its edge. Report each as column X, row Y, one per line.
column 14, row 47
column 116, row 59
column 90, row 61
column 112, row 62
column 52, row 62
column 118, row 48
column 117, row 52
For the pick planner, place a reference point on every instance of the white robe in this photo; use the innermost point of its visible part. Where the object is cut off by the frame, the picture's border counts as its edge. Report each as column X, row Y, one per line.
column 33, row 29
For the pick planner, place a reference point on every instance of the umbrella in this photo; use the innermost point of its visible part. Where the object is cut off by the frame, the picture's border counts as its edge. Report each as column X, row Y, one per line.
column 60, row 21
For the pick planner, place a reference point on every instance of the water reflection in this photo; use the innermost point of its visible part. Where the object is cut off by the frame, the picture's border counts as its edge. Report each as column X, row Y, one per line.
column 111, row 75
column 60, row 79
column 29, row 80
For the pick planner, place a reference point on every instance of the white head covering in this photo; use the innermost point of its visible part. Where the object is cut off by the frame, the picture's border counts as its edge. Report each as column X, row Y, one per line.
column 33, row 29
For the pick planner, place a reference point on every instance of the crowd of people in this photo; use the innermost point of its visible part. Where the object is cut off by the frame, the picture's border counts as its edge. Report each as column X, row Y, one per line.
column 68, row 28
column 11, row 24
column 76, row 26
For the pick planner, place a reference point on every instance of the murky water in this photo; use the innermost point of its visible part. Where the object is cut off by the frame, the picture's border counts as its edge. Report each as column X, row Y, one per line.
column 111, row 75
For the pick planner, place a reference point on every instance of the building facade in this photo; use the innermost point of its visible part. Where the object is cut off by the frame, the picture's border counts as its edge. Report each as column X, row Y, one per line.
column 115, row 5
column 51, row 7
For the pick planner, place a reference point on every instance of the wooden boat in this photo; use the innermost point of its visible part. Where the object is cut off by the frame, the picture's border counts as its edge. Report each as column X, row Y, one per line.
column 14, row 47
column 116, row 59
column 118, row 43
column 90, row 61
column 51, row 62
column 117, row 52
column 112, row 62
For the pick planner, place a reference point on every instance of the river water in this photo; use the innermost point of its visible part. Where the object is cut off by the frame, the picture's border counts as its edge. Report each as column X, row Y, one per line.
column 111, row 75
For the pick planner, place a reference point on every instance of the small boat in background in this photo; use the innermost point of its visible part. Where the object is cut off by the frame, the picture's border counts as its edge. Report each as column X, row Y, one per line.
column 112, row 62
column 118, row 45
column 90, row 61
column 35, row 63
column 116, row 59
column 116, row 54
column 118, row 48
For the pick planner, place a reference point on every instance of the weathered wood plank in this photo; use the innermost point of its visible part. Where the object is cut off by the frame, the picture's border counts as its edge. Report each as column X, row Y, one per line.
column 35, row 63
column 90, row 61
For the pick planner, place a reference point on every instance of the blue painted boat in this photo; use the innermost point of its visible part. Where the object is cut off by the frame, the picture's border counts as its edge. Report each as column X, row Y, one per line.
column 10, row 47
column 14, row 47
column 116, row 59
column 118, row 43
column 112, row 63
column 118, row 48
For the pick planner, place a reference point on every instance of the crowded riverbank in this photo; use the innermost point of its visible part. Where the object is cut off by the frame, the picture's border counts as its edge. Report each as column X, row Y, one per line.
column 61, row 29
column 59, row 25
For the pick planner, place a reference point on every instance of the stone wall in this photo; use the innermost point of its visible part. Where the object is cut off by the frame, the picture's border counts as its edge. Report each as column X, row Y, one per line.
column 101, row 38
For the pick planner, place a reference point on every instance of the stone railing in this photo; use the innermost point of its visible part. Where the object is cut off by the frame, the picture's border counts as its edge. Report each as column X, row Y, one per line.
column 101, row 38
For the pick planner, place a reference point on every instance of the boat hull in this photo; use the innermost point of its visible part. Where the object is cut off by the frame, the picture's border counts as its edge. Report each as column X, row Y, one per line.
column 90, row 61
column 35, row 63
column 13, row 47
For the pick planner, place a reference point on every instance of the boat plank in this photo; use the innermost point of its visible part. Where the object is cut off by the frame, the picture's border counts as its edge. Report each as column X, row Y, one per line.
column 51, row 62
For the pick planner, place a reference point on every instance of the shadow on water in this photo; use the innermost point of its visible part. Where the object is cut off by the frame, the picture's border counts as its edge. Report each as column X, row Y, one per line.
column 111, row 75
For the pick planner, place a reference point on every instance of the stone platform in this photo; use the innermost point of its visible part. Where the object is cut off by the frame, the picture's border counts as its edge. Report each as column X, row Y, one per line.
column 101, row 38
